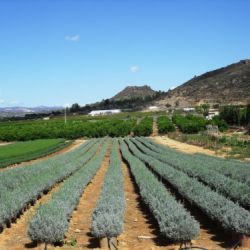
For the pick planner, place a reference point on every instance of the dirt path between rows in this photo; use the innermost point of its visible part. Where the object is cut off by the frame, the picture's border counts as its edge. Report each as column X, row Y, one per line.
column 155, row 127
column 15, row 237
column 4, row 143
column 80, row 223
column 67, row 149
column 137, row 221
column 184, row 147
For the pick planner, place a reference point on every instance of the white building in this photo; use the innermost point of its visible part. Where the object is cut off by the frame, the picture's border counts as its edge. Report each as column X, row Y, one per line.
column 188, row 109
column 105, row 112
column 152, row 108
column 212, row 113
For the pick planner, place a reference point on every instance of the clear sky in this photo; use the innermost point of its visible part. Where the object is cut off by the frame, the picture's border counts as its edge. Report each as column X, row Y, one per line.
column 54, row 52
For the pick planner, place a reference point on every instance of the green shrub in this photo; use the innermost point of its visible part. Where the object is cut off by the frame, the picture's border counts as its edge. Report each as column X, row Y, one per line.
column 190, row 124
column 222, row 125
column 165, row 125
column 144, row 128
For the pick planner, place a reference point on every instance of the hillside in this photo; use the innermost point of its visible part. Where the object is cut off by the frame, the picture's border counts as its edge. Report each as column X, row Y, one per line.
column 22, row 111
column 226, row 85
column 131, row 92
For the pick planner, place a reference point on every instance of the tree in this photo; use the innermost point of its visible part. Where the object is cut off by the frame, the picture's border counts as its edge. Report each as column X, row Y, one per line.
column 203, row 109
column 231, row 114
column 75, row 108
column 248, row 114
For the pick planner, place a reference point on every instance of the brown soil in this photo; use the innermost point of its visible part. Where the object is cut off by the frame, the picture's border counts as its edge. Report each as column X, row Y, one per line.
column 15, row 237
column 4, row 143
column 137, row 221
column 155, row 128
column 184, row 147
column 67, row 149
column 80, row 224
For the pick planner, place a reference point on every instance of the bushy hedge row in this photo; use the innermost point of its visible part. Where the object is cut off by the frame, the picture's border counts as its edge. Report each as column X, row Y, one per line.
column 144, row 128
column 228, row 214
column 232, row 168
column 11, row 178
column 72, row 130
column 174, row 221
column 235, row 115
column 51, row 220
column 190, row 124
column 222, row 125
column 232, row 189
column 14, row 200
column 107, row 218
column 165, row 125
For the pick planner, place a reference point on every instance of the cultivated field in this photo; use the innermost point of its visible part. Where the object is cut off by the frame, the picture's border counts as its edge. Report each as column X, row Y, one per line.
column 129, row 193
column 24, row 151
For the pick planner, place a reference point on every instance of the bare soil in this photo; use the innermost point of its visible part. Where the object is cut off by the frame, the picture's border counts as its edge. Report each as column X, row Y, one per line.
column 67, row 149
column 184, row 147
column 137, row 221
column 4, row 143
column 155, row 128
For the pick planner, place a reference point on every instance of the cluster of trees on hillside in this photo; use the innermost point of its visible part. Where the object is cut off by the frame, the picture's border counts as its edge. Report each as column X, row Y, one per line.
column 134, row 103
column 236, row 115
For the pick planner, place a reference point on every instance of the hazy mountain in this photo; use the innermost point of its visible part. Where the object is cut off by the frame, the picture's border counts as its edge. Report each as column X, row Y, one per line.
column 22, row 111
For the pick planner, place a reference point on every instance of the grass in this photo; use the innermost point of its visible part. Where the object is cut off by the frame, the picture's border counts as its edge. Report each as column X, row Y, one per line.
column 29, row 150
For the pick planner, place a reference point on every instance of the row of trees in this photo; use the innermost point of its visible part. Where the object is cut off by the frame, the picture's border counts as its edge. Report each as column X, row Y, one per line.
column 165, row 125
column 134, row 103
column 236, row 115
column 71, row 130
column 189, row 123
column 144, row 128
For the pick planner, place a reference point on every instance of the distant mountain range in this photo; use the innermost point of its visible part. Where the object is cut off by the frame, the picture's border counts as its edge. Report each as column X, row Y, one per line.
column 227, row 85
column 22, row 111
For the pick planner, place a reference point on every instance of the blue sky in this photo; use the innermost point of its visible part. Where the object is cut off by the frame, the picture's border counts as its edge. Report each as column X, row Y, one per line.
column 54, row 52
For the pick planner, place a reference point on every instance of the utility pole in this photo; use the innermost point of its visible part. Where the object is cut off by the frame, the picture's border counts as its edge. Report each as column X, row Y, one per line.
column 65, row 115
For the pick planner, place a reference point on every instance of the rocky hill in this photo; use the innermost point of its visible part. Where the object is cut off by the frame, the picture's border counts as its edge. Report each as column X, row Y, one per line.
column 131, row 92
column 227, row 85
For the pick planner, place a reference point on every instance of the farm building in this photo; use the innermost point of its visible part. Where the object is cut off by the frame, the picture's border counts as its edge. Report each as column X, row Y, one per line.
column 212, row 113
column 153, row 108
column 105, row 112
column 188, row 109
